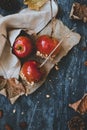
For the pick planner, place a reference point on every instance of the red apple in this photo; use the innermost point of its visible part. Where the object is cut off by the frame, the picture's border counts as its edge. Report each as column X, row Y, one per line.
column 31, row 72
column 45, row 44
column 22, row 47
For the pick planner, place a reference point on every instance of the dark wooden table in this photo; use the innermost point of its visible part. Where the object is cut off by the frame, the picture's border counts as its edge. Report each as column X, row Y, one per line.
column 47, row 108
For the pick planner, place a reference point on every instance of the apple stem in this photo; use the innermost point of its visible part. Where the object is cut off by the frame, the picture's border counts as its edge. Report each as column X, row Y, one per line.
column 66, row 36
column 19, row 48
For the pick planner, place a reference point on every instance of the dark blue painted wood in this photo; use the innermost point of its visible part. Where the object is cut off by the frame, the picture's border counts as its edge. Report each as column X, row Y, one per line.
column 64, row 86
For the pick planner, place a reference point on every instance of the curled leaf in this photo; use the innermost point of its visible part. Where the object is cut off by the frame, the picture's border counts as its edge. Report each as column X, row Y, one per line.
column 35, row 4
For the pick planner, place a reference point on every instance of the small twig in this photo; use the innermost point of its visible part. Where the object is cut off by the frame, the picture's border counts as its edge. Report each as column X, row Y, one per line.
column 66, row 36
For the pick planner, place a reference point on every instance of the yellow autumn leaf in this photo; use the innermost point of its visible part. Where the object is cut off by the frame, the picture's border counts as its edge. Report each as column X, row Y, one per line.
column 35, row 4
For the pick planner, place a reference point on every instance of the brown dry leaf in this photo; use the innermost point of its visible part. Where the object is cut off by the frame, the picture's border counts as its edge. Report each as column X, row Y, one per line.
column 35, row 4
column 14, row 88
column 79, row 12
column 81, row 105
column 76, row 123
column 82, row 108
column 2, row 82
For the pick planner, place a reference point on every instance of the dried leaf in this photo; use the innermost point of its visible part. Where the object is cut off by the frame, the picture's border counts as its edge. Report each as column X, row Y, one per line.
column 76, row 123
column 2, row 82
column 35, row 4
column 79, row 12
column 82, row 108
column 81, row 105
column 14, row 88
column 75, row 105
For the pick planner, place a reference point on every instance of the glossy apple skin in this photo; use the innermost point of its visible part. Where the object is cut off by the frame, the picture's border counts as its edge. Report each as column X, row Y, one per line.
column 45, row 44
column 31, row 71
column 22, row 47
